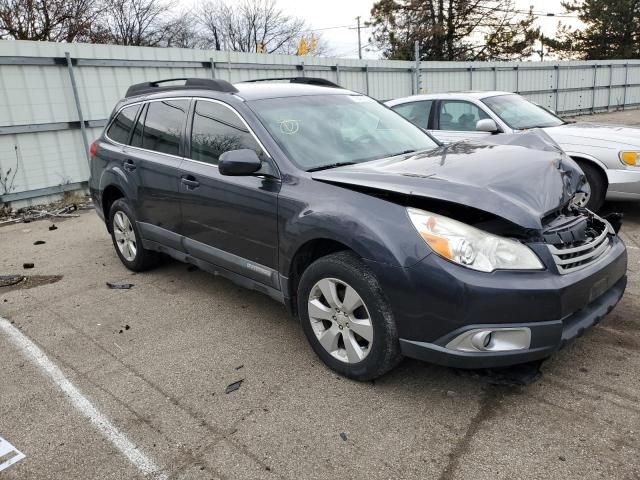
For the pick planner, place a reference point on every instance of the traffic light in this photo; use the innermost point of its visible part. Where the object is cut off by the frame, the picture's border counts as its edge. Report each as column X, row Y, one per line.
column 259, row 47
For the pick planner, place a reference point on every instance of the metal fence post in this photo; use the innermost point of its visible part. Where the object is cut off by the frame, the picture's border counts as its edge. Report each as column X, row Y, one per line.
column 76, row 97
column 517, row 68
column 213, row 68
column 593, row 91
column 495, row 77
column 366, row 77
column 610, row 87
column 471, row 78
column 337, row 73
column 626, row 81
column 302, row 67
column 557, row 67
column 416, row 71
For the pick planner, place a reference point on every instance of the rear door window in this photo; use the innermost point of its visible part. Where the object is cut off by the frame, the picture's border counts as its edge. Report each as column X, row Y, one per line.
column 121, row 127
column 163, row 125
column 416, row 112
column 218, row 129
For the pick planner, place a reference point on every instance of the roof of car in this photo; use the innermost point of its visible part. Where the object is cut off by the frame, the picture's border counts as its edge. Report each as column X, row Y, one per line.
column 250, row 90
column 453, row 96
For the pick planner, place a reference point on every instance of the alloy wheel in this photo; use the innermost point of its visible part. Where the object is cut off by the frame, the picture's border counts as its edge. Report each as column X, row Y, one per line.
column 340, row 320
column 125, row 236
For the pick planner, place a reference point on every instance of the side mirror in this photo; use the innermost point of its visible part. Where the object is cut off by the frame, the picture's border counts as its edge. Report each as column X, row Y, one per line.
column 487, row 125
column 239, row 162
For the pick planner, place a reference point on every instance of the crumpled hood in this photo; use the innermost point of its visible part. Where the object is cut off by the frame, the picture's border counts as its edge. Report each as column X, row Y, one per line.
column 595, row 134
column 520, row 177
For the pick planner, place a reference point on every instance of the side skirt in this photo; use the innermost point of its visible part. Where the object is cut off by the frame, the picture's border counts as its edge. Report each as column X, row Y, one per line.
column 214, row 269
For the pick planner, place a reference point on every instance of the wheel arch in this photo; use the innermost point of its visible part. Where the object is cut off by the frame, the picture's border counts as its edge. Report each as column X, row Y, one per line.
column 581, row 157
column 305, row 255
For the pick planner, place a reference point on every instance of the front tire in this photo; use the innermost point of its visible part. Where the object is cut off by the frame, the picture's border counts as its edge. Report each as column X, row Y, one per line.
column 346, row 317
column 127, row 239
column 597, row 187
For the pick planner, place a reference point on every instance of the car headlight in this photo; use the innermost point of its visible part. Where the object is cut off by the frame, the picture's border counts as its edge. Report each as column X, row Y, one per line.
column 629, row 158
column 472, row 247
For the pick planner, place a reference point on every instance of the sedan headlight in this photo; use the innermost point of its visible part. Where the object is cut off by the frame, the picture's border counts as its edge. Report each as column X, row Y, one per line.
column 629, row 158
column 471, row 247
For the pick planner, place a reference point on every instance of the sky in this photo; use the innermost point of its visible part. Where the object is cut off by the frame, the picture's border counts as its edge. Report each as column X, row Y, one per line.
column 325, row 15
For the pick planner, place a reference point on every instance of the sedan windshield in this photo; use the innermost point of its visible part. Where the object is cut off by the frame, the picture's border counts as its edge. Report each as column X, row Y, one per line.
column 324, row 131
column 520, row 114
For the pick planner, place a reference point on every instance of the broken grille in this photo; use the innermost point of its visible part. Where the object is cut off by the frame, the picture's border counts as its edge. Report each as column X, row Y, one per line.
column 570, row 257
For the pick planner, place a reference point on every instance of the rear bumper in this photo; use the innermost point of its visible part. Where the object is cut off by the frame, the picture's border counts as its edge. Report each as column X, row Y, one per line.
column 546, row 337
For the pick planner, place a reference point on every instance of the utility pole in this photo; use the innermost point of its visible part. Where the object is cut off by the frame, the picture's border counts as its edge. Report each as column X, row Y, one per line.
column 359, row 40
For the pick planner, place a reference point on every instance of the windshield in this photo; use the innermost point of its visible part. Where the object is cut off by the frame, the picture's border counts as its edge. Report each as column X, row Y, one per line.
column 321, row 131
column 520, row 114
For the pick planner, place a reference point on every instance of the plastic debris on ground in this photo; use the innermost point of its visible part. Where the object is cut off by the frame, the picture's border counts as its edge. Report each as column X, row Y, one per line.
column 232, row 387
column 119, row 286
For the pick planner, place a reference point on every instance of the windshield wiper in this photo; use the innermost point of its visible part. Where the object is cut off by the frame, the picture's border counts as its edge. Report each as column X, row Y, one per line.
column 403, row 152
column 331, row 165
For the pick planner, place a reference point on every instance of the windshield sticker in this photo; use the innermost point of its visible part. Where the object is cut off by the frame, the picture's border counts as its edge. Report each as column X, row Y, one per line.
column 8, row 454
column 289, row 127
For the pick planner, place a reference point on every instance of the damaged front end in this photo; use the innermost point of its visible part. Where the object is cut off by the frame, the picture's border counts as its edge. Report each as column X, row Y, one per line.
column 504, row 190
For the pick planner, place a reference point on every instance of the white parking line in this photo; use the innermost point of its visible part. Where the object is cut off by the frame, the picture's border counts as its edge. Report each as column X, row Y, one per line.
column 10, row 453
column 79, row 401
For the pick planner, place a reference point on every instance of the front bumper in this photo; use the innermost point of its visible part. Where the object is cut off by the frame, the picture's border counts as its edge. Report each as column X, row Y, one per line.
column 436, row 300
column 624, row 184
column 546, row 337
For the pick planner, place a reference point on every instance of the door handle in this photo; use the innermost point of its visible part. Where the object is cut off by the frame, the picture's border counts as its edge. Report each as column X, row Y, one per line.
column 128, row 165
column 190, row 182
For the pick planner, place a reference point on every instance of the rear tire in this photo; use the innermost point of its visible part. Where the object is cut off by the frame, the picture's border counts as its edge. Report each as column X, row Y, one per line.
column 597, row 185
column 127, row 239
column 351, row 328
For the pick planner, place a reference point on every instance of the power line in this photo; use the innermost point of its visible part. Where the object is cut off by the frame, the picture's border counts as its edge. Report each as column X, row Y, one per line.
column 330, row 28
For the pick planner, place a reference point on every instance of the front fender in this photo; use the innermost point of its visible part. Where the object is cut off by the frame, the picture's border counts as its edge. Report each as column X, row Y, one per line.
column 375, row 229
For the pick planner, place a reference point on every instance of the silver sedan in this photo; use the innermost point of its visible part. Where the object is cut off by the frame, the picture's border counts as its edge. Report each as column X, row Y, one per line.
column 608, row 154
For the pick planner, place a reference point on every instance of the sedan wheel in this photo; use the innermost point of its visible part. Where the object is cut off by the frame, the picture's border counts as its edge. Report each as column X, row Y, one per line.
column 340, row 320
column 582, row 198
column 125, row 236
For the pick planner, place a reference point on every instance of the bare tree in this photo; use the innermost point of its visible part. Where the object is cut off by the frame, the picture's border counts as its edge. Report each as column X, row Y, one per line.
column 135, row 22
column 47, row 20
column 251, row 25
column 183, row 31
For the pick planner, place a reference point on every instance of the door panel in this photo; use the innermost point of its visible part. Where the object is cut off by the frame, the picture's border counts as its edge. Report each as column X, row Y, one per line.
column 451, row 136
column 230, row 221
column 236, row 215
column 156, row 152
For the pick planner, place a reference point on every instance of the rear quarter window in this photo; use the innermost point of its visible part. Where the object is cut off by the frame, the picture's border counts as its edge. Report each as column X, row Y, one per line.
column 121, row 126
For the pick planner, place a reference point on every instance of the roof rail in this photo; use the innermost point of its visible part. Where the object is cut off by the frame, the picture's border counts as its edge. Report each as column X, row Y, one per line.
column 322, row 82
column 189, row 83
